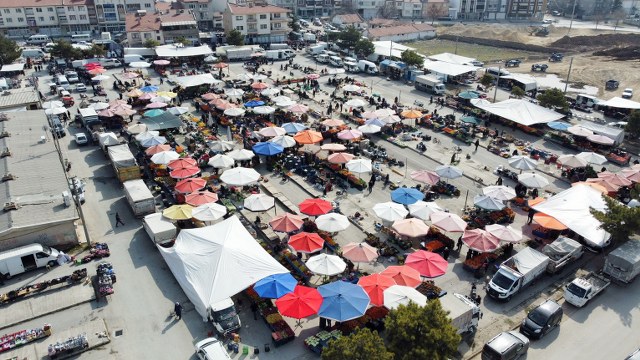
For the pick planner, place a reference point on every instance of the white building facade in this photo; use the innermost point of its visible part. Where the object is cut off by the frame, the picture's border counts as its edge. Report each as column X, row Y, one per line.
column 21, row 19
column 258, row 24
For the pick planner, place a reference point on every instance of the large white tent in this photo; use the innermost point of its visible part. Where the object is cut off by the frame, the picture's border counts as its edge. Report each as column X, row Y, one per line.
column 215, row 262
column 170, row 51
column 452, row 58
column 620, row 103
column 520, row 111
column 572, row 208
column 526, row 81
column 444, row 69
column 388, row 49
column 196, row 80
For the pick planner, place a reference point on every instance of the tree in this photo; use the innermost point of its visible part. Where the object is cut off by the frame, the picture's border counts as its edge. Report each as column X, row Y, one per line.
column 235, row 37
column 294, row 25
column 63, row 49
column 619, row 220
column 9, row 50
column 553, row 98
column 433, row 11
column 421, row 332
column 517, row 92
column 349, row 37
column 633, row 123
column 181, row 40
column 151, row 43
column 360, row 345
column 412, row 58
column 618, row 15
column 364, row 48
column 486, row 80
column 94, row 51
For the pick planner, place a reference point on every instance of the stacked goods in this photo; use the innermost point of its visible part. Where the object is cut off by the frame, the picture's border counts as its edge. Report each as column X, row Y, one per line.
column 11, row 341
column 106, row 279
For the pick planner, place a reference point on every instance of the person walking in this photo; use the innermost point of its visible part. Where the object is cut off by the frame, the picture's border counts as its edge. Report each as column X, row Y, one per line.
column 499, row 182
column 119, row 220
column 477, row 144
column 459, row 244
column 177, row 309
column 532, row 212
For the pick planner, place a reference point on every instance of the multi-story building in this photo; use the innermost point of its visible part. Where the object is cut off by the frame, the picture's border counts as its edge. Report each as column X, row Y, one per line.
column 369, row 9
column 434, row 9
column 208, row 13
column 22, row 18
column 260, row 24
column 408, row 9
column 526, row 9
column 163, row 27
column 345, row 20
column 471, row 9
column 112, row 14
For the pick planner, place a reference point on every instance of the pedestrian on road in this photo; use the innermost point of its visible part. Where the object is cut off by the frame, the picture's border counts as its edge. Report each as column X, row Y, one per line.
column 499, row 182
column 459, row 244
column 177, row 309
column 445, row 253
column 532, row 212
column 477, row 144
column 371, row 183
column 118, row 220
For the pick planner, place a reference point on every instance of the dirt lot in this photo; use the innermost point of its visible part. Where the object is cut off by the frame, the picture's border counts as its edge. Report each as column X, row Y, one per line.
column 586, row 69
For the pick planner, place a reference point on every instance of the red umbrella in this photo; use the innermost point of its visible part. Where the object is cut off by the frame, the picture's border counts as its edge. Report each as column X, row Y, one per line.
column 427, row 263
column 220, row 65
column 480, row 240
column 306, row 242
column 403, row 275
column 201, row 198
column 302, row 302
column 157, row 148
column 375, row 285
column 182, row 163
column 184, row 172
column 187, row 186
column 286, row 223
column 92, row 65
column 315, row 207
column 259, row 86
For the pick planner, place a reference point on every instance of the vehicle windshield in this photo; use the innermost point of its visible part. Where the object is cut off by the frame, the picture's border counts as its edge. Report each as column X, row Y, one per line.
column 502, row 281
column 225, row 314
column 537, row 317
column 576, row 290
column 46, row 249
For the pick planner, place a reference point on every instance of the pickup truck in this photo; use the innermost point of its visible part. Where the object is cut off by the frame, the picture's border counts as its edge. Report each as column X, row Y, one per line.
column 582, row 289
column 516, row 273
column 561, row 252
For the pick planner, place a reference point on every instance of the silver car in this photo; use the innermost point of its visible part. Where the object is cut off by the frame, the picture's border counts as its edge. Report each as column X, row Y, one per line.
column 211, row 349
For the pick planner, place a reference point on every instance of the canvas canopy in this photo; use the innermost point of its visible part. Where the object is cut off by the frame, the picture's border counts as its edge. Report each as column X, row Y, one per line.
column 448, row 69
column 572, row 207
column 170, row 51
column 620, row 103
column 452, row 58
column 216, row 262
column 519, row 111
column 389, row 48
column 137, row 190
column 121, row 156
column 196, row 80
column 528, row 259
column 12, row 67
column 528, row 82
column 626, row 256
column 617, row 135
column 560, row 248
column 108, row 139
column 163, row 121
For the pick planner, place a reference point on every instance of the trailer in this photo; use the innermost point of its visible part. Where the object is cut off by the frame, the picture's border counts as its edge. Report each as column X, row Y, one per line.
column 561, row 252
column 516, row 273
column 124, row 163
column 582, row 289
column 161, row 230
column 285, row 54
column 139, row 197
column 430, row 84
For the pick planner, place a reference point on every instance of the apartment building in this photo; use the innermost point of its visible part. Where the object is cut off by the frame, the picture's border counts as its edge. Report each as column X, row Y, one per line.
column 23, row 18
column 526, row 9
column 260, row 24
column 434, row 9
column 111, row 14
column 163, row 27
column 208, row 13
column 369, row 9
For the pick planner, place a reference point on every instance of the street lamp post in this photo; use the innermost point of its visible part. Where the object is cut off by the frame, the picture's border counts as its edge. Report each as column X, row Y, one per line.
column 495, row 93
column 573, row 13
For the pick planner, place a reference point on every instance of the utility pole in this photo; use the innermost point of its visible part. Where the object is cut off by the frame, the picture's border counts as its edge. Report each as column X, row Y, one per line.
column 495, row 93
column 76, row 200
column 566, row 84
column 573, row 13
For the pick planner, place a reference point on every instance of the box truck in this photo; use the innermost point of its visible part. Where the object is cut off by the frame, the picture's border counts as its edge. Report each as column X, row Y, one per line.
column 161, row 230
column 279, row 54
column 623, row 263
column 516, row 273
column 279, row 47
column 367, row 67
column 139, row 197
column 351, row 67
column 123, row 162
column 316, row 49
column 29, row 257
column 463, row 312
column 430, row 84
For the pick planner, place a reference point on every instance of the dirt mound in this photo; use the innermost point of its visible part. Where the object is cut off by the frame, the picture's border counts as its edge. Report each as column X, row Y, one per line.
column 621, row 53
column 496, row 31
column 601, row 41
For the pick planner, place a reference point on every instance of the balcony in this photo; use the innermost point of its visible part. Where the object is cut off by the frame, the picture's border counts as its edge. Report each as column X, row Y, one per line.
column 252, row 20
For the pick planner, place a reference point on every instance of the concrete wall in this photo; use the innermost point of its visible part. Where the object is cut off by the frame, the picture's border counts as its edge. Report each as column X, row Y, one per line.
column 60, row 235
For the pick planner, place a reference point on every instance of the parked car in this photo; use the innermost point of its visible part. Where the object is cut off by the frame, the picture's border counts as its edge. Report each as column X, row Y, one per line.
column 211, row 349
column 539, row 67
column 509, row 345
column 512, row 63
column 81, row 88
column 542, row 319
column 477, row 63
column 627, row 93
column 81, row 139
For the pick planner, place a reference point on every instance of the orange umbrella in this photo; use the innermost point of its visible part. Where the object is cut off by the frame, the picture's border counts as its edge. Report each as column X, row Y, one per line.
column 605, row 183
column 188, row 186
column 332, row 122
column 183, row 162
column 157, row 148
column 548, row 222
column 403, row 275
column 340, row 158
column 308, row 137
column 201, row 198
column 536, row 201
column 411, row 114
column 286, row 223
column 375, row 285
column 594, row 185
column 184, row 172
column 210, row 96
column 97, row 71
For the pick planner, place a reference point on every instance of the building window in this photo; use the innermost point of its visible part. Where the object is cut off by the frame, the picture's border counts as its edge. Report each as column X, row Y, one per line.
column 9, row 20
column 20, row 19
column 147, row 5
column 72, row 17
column 83, row 17
column 38, row 9
column 240, row 28
column 252, row 26
column 239, row 18
column 50, row 9
column 52, row 18
column 135, row 35
column 147, row 36
column 71, row 8
column 263, row 16
column 40, row 18
column 276, row 16
column 18, row 10
column 277, row 25
column 263, row 26
column 6, row 11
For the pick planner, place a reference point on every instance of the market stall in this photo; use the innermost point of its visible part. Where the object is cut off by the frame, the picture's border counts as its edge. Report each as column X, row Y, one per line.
column 11, row 341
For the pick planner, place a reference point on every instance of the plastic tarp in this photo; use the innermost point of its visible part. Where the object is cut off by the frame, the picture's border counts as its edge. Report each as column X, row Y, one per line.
column 170, row 51
column 626, row 256
column 163, row 121
column 108, row 139
column 196, row 80
column 620, row 103
column 121, row 156
column 137, row 190
column 448, row 69
column 572, row 208
column 389, row 48
column 216, row 262
column 528, row 82
column 560, row 248
column 612, row 133
column 529, row 259
column 452, row 58
column 519, row 111
column 12, row 67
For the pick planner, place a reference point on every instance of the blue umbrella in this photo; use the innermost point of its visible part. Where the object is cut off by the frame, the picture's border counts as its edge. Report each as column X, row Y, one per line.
column 406, row 196
column 267, row 148
column 275, row 286
column 254, row 103
column 154, row 112
column 559, row 125
column 343, row 301
column 469, row 95
column 149, row 88
column 469, row 120
column 293, row 128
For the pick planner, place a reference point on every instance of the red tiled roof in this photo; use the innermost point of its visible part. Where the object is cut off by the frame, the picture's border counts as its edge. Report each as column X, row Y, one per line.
column 401, row 29
column 152, row 21
column 254, row 10
column 350, row 18
column 41, row 3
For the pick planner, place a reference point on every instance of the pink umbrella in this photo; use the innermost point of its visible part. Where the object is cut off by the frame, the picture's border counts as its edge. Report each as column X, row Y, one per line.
column 130, row 75
column 97, row 71
column 162, row 62
column 298, row 108
column 123, row 111
column 333, row 147
column 118, row 102
column 332, row 122
column 361, row 252
column 631, row 174
column 604, row 182
column 410, row 227
column 403, row 275
column 480, row 240
column 147, row 96
column 427, row 263
column 340, row 158
column 349, row 134
column 448, row 221
column 184, row 172
column 313, row 76
column 182, row 162
column 425, row 176
column 218, row 101
column 615, row 179
column 210, row 96
column 259, row 86
column 201, row 198
column 504, row 233
column 226, row 106
column 107, row 113
column 156, row 105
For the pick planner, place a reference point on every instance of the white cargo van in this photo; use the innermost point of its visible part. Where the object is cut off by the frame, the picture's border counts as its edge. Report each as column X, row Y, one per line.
column 30, row 257
column 62, row 81
column 128, row 59
column 322, row 58
column 335, row 61
column 38, row 39
column 33, row 53
column 80, row 38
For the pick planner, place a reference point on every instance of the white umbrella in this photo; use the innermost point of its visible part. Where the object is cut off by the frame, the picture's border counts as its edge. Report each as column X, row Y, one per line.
column 241, row 154
column 424, row 209
column 137, row 129
column 99, row 106
column 259, row 202
column 240, row 176
column 397, row 295
column 209, row 212
column 101, row 77
column 384, row 112
column 284, row 140
column 359, row 166
column 499, row 192
column 234, row 112
column 221, row 145
column 390, row 119
column 178, row 110
column 355, row 103
column 55, row 111
column 270, row 92
column 147, row 135
column 572, row 161
column 156, row 140
column 324, row 264
column 448, row 171
column 522, row 162
column 332, row 222
column 281, row 98
column 139, row 64
column 533, row 180
column 259, row 77
column 52, row 104
column 504, row 233
column 264, row 110
column 285, row 103
column 369, row 129
column 220, row 161
column 164, row 157
column 351, row 88
column 390, row 211
column 245, row 77
column 272, row 131
column 210, row 59
column 234, row 92
column 161, row 99
column 488, row 203
column 592, row 158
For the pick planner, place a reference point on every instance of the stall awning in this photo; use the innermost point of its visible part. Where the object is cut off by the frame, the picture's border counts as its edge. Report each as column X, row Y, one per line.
column 529, row 82
column 170, row 51
column 12, row 67
column 452, row 58
column 519, row 111
column 196, row 80
column 162, row 122
column 448, row 69
column 620, row 103
column 389, row 48
column 613, row 133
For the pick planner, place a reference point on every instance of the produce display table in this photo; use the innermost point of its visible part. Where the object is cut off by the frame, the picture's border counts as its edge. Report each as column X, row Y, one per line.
column 69, row 347
column 281, row 332
column 479, row 219
column 429, row 289
column 9, row 342
column 41, row 287
column 319, row 341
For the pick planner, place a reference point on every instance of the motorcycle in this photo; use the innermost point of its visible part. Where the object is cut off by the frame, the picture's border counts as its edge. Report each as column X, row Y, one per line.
column 421, row 147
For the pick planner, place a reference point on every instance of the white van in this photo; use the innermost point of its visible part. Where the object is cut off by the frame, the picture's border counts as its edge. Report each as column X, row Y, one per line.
column 33, row 53
column 497, row 72
column 77, row 38
column 335, row 61
column 128, row 59
column 38, row 39
column 30, row 257
column 109, row 63
column 62, row 81
column 322, row 58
